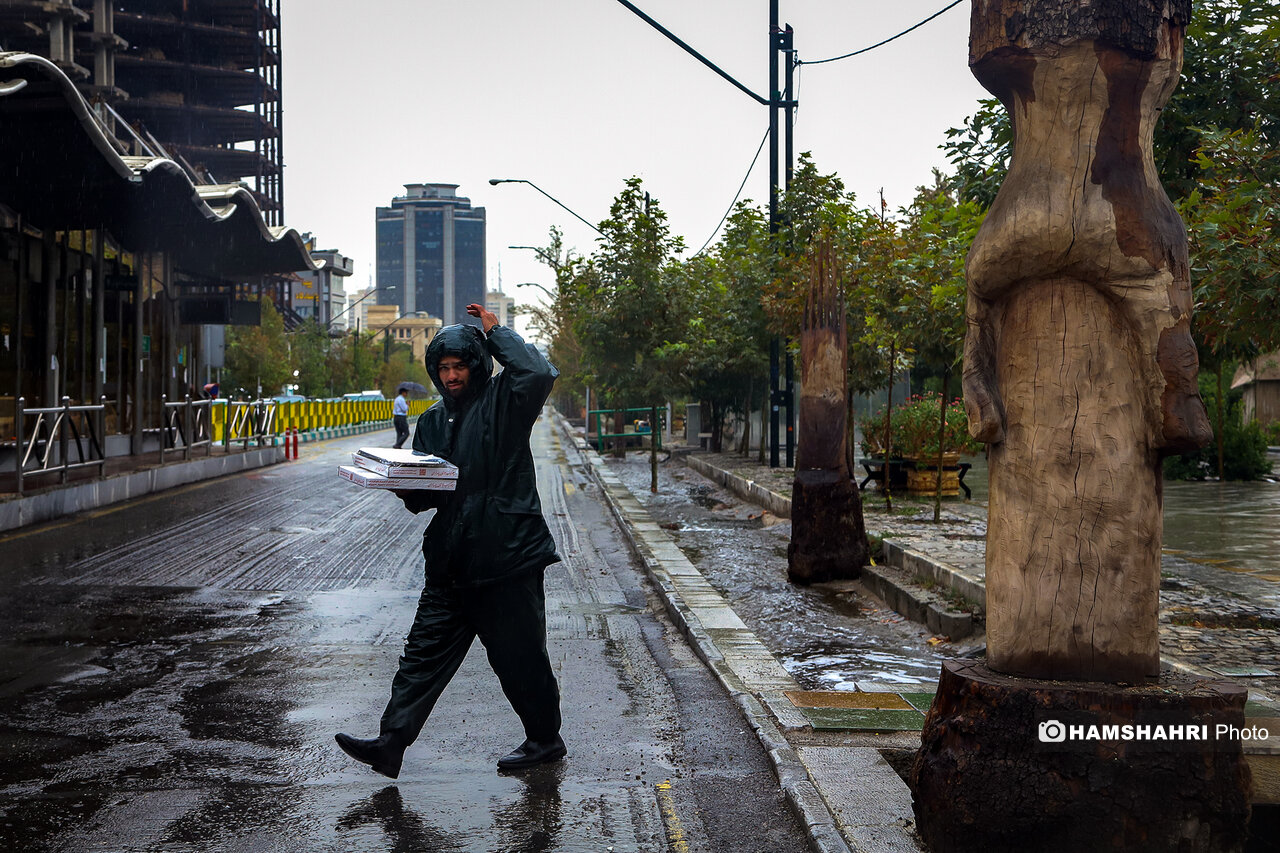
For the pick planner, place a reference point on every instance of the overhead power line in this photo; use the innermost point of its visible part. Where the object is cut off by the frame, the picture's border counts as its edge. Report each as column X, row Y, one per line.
column 729, row 210
column 881, row 43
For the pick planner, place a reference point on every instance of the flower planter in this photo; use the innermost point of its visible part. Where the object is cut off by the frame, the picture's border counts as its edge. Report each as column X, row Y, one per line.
column 922, row 475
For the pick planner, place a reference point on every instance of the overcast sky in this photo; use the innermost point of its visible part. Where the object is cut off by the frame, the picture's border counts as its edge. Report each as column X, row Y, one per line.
column 578, row 95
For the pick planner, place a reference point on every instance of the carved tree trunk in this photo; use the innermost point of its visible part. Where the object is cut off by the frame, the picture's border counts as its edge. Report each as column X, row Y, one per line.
column 1079, row 368
column 828, row 536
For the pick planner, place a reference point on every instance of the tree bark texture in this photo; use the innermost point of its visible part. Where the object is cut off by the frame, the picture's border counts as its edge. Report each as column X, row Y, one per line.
column 828, row 535
column 1080, row 371
column 985, row 781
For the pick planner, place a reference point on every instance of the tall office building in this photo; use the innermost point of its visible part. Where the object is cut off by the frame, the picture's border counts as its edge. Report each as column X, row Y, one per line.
column 503, row 307
column 431, row 252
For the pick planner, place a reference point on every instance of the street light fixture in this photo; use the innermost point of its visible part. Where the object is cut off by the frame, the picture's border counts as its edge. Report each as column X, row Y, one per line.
column 495, row 181
column 553, row 262
column 535, row 284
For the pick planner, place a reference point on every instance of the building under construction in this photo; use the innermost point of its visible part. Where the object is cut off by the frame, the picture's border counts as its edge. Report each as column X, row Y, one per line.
column 198, row 81
column 141, row 203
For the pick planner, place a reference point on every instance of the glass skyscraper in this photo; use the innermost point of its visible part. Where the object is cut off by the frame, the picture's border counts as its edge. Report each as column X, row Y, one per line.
column 431, row 252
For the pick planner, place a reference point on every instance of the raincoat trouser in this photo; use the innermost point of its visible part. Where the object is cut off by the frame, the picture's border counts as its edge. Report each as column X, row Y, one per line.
column 487, row 546
column 510, row 619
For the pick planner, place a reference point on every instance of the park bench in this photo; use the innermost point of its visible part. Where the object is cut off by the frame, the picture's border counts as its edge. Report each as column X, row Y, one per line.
column 875, row 471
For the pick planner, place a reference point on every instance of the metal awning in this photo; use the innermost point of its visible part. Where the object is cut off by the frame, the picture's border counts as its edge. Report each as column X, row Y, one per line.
column 61, row 170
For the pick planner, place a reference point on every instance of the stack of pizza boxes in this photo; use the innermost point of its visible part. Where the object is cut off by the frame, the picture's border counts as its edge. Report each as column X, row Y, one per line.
column 388, row 468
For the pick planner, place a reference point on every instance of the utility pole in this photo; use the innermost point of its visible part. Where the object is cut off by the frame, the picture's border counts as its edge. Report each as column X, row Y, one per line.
column 781, row 391
column 780, row 41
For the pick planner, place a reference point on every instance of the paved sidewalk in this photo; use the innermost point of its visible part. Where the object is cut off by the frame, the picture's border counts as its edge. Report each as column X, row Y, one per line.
column 843, row 789
column 830, row 748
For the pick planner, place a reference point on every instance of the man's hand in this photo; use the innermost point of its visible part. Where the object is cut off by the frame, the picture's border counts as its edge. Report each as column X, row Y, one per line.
column 487, row 318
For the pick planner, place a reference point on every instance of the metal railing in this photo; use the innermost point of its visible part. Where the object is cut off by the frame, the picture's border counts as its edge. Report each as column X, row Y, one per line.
column 185, row 424
column 60, row 428
column 641, row 428
column 250, row 421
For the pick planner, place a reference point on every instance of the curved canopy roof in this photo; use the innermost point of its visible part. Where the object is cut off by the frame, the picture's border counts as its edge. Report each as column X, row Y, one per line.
column 60, row 169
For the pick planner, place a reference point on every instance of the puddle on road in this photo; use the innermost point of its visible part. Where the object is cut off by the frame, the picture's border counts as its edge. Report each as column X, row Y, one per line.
column 1229, row 525
column 838, row 669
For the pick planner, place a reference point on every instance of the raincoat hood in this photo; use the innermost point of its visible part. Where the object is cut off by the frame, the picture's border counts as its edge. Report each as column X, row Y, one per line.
column 467, row 343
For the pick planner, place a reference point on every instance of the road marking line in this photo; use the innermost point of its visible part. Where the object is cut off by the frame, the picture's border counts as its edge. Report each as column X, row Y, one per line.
column 670, row 820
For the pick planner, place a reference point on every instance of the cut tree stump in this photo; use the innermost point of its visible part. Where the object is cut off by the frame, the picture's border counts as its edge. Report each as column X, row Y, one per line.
column 983, row 782
column 828, row 533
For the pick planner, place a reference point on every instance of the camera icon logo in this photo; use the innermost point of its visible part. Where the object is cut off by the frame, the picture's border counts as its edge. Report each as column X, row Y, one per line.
column 1052, row 731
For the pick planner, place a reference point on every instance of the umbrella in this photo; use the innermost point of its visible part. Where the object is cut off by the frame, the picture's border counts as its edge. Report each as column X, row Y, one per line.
column 412, row 387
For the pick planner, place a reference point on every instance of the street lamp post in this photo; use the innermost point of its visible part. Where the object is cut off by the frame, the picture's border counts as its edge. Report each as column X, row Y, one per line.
column 553, row 262
column 496, row 181
column 535, row 284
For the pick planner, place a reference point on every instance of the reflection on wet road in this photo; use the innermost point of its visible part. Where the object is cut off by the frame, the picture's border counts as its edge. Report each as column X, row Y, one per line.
column 1233, row 527
column 172, row 672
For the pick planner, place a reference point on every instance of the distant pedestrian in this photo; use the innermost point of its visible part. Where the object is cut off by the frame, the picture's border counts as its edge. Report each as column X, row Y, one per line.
column 211, row 391
column 486, row 548
column 400, row 417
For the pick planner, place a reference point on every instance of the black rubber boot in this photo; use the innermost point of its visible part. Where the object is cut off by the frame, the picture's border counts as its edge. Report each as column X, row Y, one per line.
column 384, row 753
column 532, row 752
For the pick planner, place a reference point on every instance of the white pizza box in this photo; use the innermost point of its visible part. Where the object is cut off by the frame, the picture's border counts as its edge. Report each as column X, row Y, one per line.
column 390, row 462
column 372, row 480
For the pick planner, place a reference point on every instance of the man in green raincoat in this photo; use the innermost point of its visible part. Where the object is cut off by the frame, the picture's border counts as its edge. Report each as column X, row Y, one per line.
column 485, row 549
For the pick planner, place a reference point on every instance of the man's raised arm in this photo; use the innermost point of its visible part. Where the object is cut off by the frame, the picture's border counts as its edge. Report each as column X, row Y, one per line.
column 530, row 374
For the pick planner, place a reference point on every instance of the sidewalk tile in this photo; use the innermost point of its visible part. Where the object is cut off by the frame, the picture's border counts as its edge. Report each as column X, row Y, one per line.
column 920, row 701
column 847, row 699
column 864, row 720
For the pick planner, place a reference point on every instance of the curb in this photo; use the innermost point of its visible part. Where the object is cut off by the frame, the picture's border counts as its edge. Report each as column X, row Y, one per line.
column 895, row 553
column 326, row 433
column 954, row 624
column 742, row 487
column 802, row 795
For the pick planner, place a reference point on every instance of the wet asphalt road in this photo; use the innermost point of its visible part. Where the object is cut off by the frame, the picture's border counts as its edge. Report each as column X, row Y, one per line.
column 172, row 671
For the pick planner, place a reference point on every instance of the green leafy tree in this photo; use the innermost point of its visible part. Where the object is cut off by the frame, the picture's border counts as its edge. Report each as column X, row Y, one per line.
column 630, row 303
column 555, row 322
column 1229, row 82
column 354, row 361
column 1233, row 217
column 721, row 353
column 309, row 355
column 258, row 356
column 400, row 367
column 1244, row 454
column 936, row 235
column 1229, row 77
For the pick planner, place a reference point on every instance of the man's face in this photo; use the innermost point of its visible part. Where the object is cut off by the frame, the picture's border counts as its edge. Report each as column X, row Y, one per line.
column 454, row 374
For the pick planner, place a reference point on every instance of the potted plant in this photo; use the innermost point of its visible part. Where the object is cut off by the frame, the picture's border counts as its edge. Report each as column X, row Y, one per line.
column 914, row 427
